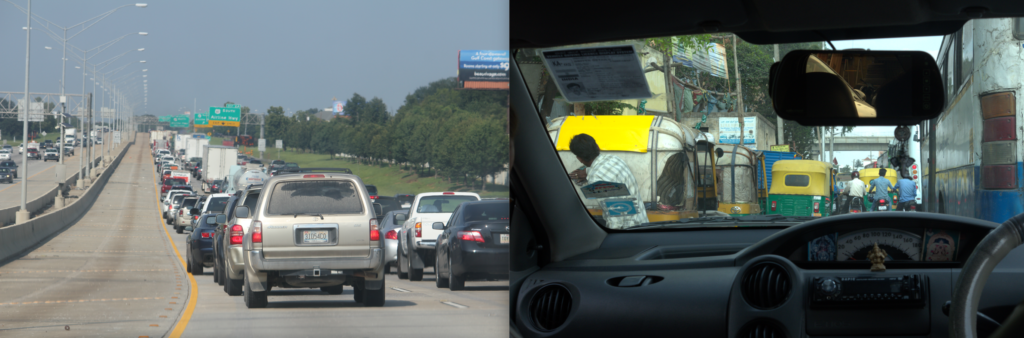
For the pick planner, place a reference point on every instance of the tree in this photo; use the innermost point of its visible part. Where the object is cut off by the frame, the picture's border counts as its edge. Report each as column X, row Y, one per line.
column 846, row 169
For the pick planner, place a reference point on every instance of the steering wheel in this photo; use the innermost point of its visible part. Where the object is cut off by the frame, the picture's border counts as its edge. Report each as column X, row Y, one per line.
column 991, row 250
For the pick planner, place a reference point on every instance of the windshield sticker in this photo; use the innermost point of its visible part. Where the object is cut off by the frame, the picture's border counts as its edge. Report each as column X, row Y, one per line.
column 604, row 189
column 822, row 249
column 598, row 74
column 619, row 207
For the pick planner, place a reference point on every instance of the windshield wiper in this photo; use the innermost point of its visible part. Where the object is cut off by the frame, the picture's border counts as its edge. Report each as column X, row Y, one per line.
column 300, row 214
column 689, row 222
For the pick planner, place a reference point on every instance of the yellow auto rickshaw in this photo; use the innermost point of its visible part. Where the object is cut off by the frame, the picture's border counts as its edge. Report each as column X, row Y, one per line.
column 868, row 174
column 737, row 177
column 800, row 188
column 707, row 178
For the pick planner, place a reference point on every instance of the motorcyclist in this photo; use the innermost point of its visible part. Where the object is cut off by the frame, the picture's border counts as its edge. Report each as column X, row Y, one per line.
column 880, row 187
column 855, row 189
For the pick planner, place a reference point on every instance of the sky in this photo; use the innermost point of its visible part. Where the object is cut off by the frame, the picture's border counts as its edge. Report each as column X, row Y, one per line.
column 929, row 44
column 296, row 54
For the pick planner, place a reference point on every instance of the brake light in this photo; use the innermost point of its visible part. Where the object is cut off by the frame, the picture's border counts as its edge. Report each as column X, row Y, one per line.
column 773, row 205
column 419, row 229
column 393, row 234
column 236, row 234
column 815, row 207
column 313, row 176
column 881, row 201
column 257, row 232
column 472, row 236
column 207, row 234
column 374, row 230
column 855, row 211
column 448, row 193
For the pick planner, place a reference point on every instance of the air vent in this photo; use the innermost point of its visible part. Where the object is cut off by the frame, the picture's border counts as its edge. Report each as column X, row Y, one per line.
column 762, row 329
column 550, row 307
column 766, row 286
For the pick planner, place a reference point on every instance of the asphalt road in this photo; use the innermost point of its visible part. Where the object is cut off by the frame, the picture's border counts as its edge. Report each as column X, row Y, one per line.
column 117, row 272
column 40, row 175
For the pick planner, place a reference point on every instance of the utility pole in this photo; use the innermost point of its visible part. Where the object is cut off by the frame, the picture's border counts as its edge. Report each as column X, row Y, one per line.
column 262, row 123
column 778, row 119
column 739, row 88
column 23, row 215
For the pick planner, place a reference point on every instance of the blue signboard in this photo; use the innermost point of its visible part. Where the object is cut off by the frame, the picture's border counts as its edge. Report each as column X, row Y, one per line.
column 484, row 65
column 620, row 207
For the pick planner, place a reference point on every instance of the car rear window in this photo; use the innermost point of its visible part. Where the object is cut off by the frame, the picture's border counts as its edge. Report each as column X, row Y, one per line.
column 176, row 181
column 189, row 203
column 177, row 199
column 315, row 197
column 486, row 212
column 442, row 204
column 250, row 201
column 217, row 204
column 371, row 189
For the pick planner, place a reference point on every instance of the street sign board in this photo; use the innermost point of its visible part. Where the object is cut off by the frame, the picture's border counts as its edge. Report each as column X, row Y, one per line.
column 279, row 144
column 35, row 111
column 117, row 138
column 201, row 119
column 180, row 121
column 223, row 123
column 163, row 118
column 781, row 147
column 233, row 106
column 225, row 116
column 262, row 144
column 107, row 113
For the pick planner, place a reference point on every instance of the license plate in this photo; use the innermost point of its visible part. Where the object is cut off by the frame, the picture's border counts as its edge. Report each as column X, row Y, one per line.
column 504, row 239
column 314, row 236
column 883, row 208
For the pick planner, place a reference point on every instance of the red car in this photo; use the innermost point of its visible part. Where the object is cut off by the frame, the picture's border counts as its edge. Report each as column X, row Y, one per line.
column 172, row 182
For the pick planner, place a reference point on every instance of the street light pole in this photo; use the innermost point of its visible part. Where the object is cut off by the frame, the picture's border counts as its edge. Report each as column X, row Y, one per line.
column 23, row 215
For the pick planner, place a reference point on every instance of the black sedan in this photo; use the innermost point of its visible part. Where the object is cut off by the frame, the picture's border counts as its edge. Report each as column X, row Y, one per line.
column 199, row 246
column 474, row 244
column 6, row 175
column 10, row 165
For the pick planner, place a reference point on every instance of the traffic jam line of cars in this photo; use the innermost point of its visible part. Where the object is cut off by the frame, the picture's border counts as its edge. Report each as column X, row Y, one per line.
column 324, row 228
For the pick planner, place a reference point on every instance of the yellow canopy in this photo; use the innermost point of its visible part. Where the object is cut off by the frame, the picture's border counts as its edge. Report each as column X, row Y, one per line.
column 818, row 173
column 612, row 132
column 868, row 174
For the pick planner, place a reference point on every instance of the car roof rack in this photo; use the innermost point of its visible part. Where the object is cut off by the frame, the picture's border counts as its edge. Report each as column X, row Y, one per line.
column 317, row 170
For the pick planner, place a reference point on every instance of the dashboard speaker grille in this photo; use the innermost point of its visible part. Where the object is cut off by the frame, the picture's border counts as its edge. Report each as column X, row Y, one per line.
column 766, row 286
column 550, row 307
column 761, row 329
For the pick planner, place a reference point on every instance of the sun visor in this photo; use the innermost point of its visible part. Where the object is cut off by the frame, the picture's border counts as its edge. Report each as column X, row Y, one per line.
column 612, row 133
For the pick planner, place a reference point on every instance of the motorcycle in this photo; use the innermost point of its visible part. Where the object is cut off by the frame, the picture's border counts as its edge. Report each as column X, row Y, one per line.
column 883, row 205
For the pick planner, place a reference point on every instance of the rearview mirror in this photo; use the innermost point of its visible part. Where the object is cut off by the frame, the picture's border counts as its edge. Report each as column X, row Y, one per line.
column 222, row 218
column 829, row 88
column 211, row 220
column 437, row 226
column 400, row 218
column 242, row 212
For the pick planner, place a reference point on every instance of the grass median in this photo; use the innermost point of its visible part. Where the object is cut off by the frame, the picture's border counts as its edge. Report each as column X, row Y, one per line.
column 390, row 180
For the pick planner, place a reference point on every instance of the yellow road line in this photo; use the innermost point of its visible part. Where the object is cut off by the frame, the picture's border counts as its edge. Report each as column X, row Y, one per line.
column 193, row 294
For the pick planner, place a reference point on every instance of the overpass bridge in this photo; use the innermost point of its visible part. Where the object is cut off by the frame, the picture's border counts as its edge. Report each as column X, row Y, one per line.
column 857, row 143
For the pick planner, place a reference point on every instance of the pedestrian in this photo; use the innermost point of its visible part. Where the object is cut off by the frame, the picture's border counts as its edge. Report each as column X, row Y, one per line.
column 906, row 189
column 608, row 168
column 880, row 188
column 855, row 188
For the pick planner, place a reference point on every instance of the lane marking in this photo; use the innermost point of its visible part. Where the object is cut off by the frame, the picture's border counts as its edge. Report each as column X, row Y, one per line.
column 52, row 271
column 193, row 294
column 454, row 304
column 100, row 251
column 80, row 301
column 400, row 290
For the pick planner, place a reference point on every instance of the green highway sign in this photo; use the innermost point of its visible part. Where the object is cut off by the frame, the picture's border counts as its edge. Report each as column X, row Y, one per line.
column 164, row 118
column 201, row 119
column 180, row 121
column 233, row 106
column 225, row 116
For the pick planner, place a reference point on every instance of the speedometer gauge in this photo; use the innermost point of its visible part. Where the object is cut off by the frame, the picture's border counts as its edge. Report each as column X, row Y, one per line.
column 898, row 244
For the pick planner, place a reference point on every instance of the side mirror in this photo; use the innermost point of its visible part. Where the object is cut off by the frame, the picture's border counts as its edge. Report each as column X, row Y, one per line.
column 193, row 211
column 242, row 212
column 400, row 218
column 211, row 220
column 222, row 218
column 437, row 226
column 719, row 152
column 379, row 210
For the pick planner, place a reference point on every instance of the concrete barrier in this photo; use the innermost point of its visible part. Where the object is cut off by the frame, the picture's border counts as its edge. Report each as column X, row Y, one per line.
column 18, row 238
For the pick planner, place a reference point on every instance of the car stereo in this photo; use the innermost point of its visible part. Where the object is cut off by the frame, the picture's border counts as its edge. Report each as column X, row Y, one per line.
column 846, row 292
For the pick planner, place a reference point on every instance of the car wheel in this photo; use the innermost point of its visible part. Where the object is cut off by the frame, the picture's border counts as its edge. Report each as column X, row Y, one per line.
column 387, row 268
column 179, row 229
column 374, row 297
column 216, row 274
column 401, row 265
column 357, row 293
column 333, row 290
column 253, row 299
column 197, row 269
column 188, row 264
column 233, row 287
column 438, row 281
column 455, row 282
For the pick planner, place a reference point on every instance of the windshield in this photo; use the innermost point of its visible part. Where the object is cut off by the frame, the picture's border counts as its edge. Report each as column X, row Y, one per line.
column 442, row 204
column 217, row 204
column 646, row 158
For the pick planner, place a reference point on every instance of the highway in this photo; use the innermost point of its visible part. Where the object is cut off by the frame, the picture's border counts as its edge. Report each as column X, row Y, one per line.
column 40, row 176
column 118, row 272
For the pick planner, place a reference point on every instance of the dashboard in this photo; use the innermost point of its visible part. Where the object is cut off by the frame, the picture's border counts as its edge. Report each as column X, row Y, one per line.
column 806, row 280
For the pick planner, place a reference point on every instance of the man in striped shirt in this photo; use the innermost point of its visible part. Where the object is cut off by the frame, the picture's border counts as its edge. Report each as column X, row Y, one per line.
column 608, row 168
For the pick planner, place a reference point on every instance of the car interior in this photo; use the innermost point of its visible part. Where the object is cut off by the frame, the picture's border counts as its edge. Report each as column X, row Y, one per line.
column 943, row 275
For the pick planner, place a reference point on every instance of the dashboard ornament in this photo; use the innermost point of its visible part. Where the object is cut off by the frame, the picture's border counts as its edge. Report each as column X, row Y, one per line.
column 877, row 257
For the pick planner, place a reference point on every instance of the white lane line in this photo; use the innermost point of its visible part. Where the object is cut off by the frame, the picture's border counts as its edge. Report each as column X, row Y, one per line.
column 455, row 305
column 400, row 290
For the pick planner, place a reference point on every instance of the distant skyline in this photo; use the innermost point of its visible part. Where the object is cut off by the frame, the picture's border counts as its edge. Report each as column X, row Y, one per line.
column 294, row 54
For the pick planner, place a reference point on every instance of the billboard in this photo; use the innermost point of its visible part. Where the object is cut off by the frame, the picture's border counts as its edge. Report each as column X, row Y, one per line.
column 180, row 121
column 35, row 111
column 201, row 120
column 483, row 69
column 163, row 118
column 225, row 116
column 339, row 107
column 729, row 130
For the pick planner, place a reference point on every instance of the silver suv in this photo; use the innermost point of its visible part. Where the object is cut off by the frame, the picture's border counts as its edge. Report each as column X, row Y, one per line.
column 233, row 264
column 313, row 230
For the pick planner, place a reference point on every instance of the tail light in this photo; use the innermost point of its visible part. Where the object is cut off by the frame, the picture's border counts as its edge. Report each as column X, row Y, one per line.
column 374, row 230
column 393, row 234
column 207, row 235
column 472, row 236
column 881, row 201
column 313, row 176
column 448, row 193
column 913, row 208
column 815, row 207
column 854, row 211
column 773, row 205
column 419, row 229
column 236, row 234
column 257, row 232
